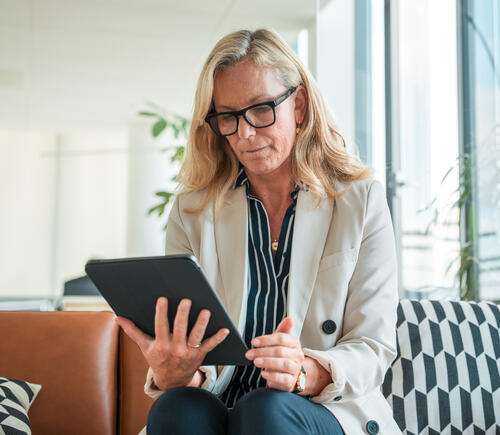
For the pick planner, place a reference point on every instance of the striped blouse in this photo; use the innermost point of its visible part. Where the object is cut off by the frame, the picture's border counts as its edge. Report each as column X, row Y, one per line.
column 267, row 285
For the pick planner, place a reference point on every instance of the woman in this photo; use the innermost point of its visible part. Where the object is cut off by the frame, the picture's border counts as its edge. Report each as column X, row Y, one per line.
column 297, row 241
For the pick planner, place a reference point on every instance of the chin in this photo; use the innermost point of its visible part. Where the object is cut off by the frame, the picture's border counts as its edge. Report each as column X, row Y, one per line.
column 260, row 167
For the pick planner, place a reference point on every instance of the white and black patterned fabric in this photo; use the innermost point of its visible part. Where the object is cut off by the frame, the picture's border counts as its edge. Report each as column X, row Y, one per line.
column 16, row 398
column 445, row 379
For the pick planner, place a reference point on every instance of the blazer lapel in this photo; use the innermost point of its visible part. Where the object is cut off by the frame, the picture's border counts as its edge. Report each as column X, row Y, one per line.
column 231, row 241
column 311, row 227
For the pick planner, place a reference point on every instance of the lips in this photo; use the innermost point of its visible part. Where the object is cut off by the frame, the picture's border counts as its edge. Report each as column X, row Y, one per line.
column 255, row 150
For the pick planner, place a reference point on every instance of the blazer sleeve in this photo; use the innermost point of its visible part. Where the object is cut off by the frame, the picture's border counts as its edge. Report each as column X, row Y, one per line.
column 362, row 355
column 177, row 242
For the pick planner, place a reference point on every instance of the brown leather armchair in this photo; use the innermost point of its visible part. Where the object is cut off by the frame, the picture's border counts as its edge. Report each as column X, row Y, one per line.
column 92, row 374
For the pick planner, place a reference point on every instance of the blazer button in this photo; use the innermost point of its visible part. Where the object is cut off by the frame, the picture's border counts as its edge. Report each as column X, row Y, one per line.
column 372, row 427
column 329, row 327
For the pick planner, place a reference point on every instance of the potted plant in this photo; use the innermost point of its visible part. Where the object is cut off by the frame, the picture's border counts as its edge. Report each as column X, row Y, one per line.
column 165, row 121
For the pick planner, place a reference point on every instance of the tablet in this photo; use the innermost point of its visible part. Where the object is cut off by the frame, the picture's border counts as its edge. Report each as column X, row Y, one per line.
column 131, row 286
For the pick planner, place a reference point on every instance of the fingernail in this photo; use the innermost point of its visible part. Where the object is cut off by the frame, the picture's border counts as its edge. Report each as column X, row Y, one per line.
column 226, row 331
column 259, row 361
column 255, row 342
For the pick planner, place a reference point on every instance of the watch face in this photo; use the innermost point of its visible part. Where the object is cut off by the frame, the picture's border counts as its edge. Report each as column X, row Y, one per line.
column 302, row 381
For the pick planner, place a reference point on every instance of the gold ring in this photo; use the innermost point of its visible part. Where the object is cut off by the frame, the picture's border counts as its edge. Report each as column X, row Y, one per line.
column 194, row 346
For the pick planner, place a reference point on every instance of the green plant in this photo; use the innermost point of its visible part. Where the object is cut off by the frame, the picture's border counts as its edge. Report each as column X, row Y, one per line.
column 468, row 260
column 165, row 121
column 478, row 187
column 463, row 199
column 458, row 203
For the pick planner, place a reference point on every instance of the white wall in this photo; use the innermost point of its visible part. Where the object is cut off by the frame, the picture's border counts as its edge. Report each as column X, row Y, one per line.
column 26, row 212
column 92, row 195
column 149, row 171
column 336, row 63
column 73, row 63
column 73, row 75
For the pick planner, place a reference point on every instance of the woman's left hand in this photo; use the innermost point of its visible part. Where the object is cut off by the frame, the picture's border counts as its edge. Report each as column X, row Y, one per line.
column 279, row 355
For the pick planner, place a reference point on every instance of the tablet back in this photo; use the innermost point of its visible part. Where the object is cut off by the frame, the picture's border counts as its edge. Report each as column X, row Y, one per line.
column 132, row 286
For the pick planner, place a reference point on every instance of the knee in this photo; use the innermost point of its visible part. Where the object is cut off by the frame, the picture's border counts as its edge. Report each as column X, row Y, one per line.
column 174, row 408
column 263, row 398
column 181, row 398
column 262, row 405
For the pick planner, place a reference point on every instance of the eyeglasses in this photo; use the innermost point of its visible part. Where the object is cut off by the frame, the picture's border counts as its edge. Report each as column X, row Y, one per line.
column 259, row 115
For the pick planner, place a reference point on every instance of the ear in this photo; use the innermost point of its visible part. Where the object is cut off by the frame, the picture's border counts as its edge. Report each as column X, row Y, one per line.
column 301, row 100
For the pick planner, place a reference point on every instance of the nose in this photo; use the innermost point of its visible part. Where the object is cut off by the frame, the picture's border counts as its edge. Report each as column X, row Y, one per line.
column 245, row 130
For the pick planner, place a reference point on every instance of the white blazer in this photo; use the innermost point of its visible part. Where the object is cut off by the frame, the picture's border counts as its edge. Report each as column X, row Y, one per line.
column 342, row 270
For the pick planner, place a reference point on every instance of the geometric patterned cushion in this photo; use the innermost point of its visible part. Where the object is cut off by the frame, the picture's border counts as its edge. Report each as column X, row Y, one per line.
column 445, row 379
column 16, row 398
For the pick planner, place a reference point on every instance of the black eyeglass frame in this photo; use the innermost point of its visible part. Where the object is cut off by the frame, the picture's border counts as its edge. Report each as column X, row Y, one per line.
column 242, row 112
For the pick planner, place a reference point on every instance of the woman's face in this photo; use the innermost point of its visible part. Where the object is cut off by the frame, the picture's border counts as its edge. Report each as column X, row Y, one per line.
column 261, row 151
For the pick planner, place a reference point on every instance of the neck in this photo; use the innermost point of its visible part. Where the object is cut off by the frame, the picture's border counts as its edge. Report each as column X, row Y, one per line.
column 272, row 189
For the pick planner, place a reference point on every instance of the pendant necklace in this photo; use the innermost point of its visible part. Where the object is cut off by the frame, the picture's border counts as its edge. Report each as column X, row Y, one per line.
column 274, row 245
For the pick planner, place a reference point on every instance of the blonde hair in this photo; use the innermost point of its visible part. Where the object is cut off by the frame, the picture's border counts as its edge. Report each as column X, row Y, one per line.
column 319, row 156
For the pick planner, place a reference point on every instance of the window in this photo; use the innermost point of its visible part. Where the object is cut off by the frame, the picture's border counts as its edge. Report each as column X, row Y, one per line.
column 424, row 145
column 416, row 118
column 480, row 128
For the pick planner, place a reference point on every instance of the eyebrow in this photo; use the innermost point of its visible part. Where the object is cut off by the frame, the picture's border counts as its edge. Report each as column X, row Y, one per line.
column 257, row 99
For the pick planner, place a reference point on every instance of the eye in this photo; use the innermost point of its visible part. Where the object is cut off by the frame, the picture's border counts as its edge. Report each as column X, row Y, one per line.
column 261, row 109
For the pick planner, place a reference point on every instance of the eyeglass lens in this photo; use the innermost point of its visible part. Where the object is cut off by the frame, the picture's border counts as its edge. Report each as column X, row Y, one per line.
column 258, row 116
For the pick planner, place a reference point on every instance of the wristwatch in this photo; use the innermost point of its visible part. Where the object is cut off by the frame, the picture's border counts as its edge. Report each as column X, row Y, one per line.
column 300, row 384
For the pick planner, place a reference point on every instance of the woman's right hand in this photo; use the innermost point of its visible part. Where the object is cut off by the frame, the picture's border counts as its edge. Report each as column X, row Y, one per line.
column 173, row 361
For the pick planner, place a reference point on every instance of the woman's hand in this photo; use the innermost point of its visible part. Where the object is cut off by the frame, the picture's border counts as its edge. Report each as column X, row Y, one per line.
column 174, row 363
column 279, row 355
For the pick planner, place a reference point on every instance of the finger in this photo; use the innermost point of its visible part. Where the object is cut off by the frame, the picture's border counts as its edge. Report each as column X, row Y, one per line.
column 199, row 328
column 285, row 325
column 162, row 330
column 273, row 352
column 275, row 339
column 211, row 342
column 181, row 321
column 279, row 381
column 139, row 337
column 282, row 365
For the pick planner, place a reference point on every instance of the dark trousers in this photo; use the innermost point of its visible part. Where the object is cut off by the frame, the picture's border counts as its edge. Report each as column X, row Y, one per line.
column 188, row 410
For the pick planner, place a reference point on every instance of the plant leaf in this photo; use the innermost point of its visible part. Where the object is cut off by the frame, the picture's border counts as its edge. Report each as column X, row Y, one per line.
column 176, row 131
column 166, row 195
column 159, row 126
column 178, row 155
column 156, row 208
column 448, row 172
column 154, row 105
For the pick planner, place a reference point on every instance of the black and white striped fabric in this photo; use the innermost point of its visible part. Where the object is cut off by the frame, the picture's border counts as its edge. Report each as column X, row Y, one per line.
column 445, row 379
column 16, row 398
column 267, row 285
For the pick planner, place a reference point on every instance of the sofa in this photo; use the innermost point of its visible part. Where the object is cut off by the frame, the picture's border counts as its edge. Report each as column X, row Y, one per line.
column 445, row 379
column 92, row 375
